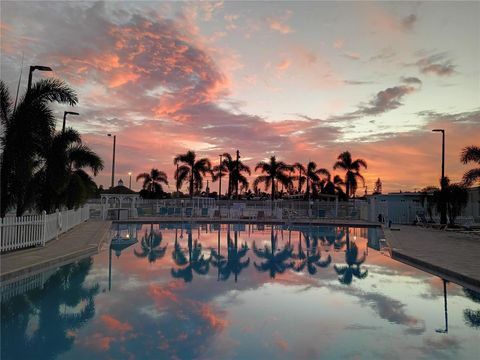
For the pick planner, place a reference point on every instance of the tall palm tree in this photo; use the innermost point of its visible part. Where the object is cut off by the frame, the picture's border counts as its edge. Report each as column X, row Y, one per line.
column 276, row 261
column 153, row 182
column 352, row 168
column 312, row 175
column 471, row 154
column 234, row 170
column 352, row 269
column 150, row 246
column 300, row 178
column 191, row 171
column 25, row 130
column 61, row 178
column 276, row 171
column 334, row 186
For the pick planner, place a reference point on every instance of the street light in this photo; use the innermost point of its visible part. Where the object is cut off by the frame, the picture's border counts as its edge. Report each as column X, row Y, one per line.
column 65, row 113
column 113, row 161
column 130, row 174
column 32, row 69
column 443, row 210
column 220, row 181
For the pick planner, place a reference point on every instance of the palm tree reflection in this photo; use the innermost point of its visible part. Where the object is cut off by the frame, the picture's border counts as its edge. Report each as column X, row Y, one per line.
column 54, row 334
column 352, row 269
column 233, row 263
column 195, row 262
column 311, row 259
column 472, row 317
column 150, row 246
column 276, row 261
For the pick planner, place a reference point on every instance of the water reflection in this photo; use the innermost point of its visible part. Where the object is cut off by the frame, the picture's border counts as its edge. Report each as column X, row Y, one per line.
column 44, row 322
column 472, row 317
column 312, row 258
column 233, row 263
column 196, row 262
column 352, row 269
column 150, row 246
column 277, row 261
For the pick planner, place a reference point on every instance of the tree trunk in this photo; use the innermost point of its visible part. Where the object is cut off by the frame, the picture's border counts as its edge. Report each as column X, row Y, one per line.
column 191, row 184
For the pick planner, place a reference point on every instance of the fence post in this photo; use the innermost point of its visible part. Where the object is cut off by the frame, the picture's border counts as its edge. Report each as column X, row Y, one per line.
column 58, row 222
column 44, row 224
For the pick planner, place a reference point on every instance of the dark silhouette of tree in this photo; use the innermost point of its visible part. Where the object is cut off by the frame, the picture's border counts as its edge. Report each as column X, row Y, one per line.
column 352, row 168
column 276, row 261
column 352, row 269
column 25, row 130
column 234, row 170
column 334, row 187
column 471, row 154
column 150, row 246
column 192, row 171
column 312, row 176
column 152, row 182
column 276, row 171
column 378, row 187
column 454, row 196
column 195, row 262
column 301, row 178
column 61, row 179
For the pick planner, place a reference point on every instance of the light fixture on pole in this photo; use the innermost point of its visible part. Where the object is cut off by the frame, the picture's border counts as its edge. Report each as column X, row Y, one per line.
column 113, row 157
column 65, row 113
column 130, row 183
column 220, row 178
column 32, row 69
column 443, row 210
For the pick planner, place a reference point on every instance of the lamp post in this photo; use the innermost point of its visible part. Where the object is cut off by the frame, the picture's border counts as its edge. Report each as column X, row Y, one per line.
column 238, row 173
column 443, row 212
column 113, row 157
column 65, row 113
column 130, row 183
column 32, row 69
column 220, row 180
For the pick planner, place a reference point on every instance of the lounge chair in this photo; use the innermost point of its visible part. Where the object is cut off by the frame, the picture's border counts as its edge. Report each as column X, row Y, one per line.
column 422, row 221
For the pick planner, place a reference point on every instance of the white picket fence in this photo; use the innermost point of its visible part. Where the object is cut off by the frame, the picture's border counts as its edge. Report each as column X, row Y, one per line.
column 32, row 230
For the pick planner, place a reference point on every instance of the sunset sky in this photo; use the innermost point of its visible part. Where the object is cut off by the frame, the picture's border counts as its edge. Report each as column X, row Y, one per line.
column 300, row 80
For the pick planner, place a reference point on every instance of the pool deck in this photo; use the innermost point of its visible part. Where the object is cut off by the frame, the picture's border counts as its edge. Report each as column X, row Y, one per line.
column 81, row 241
column 451, row 255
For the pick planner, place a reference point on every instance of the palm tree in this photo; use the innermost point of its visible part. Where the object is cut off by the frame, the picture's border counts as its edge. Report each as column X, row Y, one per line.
column 61, row 178
column 453, row 196
column 153, row 182
column 352, row 168
column 352, row 269
column 150, row 246
column 195, row 262
column 25, row 130
column 275, row 171
column 301, row 178
column 276, row 261
column 471, row 154
column 334, row 187
column 191, row 171
column 312, row 175
column 234, row 170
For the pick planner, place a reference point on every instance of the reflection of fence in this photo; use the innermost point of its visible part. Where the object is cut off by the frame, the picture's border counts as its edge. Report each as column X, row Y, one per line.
column 32, row 230
column 24, row 285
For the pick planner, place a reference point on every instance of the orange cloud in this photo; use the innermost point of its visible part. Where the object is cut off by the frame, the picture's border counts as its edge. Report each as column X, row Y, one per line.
column 113, row 324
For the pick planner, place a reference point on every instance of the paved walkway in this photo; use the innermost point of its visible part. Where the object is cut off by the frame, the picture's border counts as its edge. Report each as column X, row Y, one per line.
column 83, row 240
column 452, row 255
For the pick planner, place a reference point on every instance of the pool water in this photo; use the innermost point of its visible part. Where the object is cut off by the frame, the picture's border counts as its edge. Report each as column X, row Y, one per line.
column 209, row 291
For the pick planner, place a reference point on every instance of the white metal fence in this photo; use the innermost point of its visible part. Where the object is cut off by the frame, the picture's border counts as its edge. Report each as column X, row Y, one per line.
column 32, row 230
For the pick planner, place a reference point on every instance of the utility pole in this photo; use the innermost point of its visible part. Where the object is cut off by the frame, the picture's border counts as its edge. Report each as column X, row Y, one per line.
column 238, row 173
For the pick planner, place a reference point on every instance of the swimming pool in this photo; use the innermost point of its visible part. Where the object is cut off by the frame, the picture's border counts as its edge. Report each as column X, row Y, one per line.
column 236, row 291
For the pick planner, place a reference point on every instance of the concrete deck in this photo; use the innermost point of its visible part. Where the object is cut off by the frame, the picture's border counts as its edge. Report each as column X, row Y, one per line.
column 207, row 220
column 452, row 255
column 79, row 242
